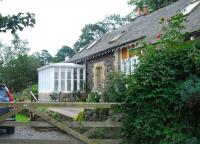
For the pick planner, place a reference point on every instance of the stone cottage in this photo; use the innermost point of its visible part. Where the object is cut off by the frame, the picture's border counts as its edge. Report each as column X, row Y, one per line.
column 113, row 50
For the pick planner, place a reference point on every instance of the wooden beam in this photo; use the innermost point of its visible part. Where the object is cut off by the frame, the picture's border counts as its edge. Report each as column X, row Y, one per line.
column 69, row 124
column 108, row 141
column 89, row 132
column 59, row 104
column 63, row 127
column 30, row 124
column 93, row 124
column 53, row 141
column 9, row 114
column 37, row 141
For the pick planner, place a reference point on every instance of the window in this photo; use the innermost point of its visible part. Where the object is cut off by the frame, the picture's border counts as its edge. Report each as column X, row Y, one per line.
column 75, row 79
column 69, row 79
column 62, row 80
column 124, row 53
column 190, row 7
column 99, row 78
column 134, row 63
column 81, row 80
column 56, row 79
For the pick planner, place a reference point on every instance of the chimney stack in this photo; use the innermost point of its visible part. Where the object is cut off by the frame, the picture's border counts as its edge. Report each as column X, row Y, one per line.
column 139, row 12
column 146, row 10
column 67, row 58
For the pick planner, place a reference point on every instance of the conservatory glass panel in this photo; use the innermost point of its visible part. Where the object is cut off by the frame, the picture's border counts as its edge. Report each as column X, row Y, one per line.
column 56, row 79
column 75, row 79
column 68, row 79
column 81, row 80
column 62, row 80
column 62, row 85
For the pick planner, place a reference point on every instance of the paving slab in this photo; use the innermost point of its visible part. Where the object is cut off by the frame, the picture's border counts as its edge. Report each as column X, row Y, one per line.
column 69, row 112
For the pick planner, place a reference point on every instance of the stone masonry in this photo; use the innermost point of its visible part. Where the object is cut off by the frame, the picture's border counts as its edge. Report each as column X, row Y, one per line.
column 108, row 61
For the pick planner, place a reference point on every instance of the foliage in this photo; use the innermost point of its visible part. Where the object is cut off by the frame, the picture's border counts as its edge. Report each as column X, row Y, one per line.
column 16, row 22
column 23, row 95
column 63, row 52
column 90, row 33
column 45, row 58
column 94, row 97
column 115, row 87
column 95, row 31
column 80, row 116
column 17, row 68
column 153, row 111
column 105, row 133
column 34, row 88
column 152, row 4
column 190, row 90
column 22, row 118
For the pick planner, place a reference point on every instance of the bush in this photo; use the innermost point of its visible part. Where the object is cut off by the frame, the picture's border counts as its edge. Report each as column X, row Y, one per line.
column 23, row 95
column 94, row 96
column 115, row 87
column 34, row 88
column 153, row 111
column 80, row 117
column 190, row 89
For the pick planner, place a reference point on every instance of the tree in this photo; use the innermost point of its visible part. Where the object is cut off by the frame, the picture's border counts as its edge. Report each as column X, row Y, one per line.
column 17, row 68
column 95, row 31
column 45, row 58
column 114, row 21
column 63, row 52
column 89, row 33
column 16, row 22
column 152, row 4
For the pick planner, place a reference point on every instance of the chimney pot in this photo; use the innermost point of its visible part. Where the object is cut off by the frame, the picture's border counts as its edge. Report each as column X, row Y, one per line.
column 67, row 58
column 139, row 13
column 146, row 10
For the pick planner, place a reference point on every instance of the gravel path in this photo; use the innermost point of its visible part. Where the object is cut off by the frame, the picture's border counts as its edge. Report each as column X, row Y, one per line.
column 23, row 132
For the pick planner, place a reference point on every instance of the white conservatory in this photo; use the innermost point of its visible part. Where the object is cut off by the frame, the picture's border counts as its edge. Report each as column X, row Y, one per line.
column 60, row 77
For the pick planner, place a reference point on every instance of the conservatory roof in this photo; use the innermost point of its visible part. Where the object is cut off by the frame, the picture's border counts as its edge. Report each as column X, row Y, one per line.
column 143, row 27
column 65, row 65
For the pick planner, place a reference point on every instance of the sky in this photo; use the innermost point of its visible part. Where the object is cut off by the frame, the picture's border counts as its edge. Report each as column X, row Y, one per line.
column 59, row 22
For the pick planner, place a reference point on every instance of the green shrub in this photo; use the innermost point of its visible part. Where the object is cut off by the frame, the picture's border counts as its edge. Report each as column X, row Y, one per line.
column 153, row 111
column 94, row 96
column 80, row 116
column 115, row 87
column 34, row 88
column 190, row 90
column 23, row 95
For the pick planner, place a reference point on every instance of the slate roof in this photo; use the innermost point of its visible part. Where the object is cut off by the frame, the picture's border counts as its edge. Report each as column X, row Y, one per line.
column 142, row 27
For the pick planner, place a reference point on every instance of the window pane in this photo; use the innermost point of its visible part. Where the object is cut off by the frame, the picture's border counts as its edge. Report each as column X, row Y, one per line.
column 75, row 73
column 62, row 85
column 56, row 85
column 56, row 73
column 68, row 85
column 81, row 73
column 81, row 85
column 68, row 73
column 75, row 85
column 62, row 73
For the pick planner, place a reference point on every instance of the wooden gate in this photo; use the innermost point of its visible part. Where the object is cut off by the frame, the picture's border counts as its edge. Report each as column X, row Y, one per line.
column 65, row 126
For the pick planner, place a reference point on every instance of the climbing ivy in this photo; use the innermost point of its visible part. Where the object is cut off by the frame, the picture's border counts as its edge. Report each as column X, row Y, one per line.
column 153, row 110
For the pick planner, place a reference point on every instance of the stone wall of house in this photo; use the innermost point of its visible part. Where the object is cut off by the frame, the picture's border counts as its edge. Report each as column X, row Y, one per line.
column 108, row 61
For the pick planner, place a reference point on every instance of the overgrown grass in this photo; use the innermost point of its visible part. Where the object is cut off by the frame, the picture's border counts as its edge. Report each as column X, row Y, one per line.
column 22, row 118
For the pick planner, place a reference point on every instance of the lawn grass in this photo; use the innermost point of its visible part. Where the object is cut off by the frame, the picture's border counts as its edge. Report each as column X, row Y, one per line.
column 22, row 118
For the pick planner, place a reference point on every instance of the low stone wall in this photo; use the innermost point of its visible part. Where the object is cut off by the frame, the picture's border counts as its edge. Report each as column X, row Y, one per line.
column 97, row 114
